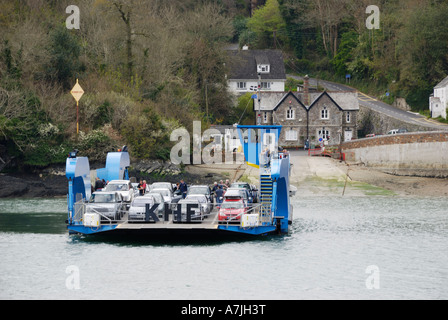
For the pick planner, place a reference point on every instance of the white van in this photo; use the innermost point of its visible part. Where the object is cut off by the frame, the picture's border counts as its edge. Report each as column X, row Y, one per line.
column 393, row 131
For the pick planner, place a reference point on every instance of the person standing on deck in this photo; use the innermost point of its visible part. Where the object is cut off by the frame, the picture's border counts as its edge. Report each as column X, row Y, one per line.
column 183, row 188
column 219, row 196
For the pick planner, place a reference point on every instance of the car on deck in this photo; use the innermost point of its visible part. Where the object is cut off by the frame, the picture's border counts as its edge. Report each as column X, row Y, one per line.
column 124, row 187
column 109, row 205
column 232, row 210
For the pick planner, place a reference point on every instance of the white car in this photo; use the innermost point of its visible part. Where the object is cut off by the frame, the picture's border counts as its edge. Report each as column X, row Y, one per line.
column 167, row 194
column 161, row 185
column 137, row 211
column 124, row 187
column 197, row 211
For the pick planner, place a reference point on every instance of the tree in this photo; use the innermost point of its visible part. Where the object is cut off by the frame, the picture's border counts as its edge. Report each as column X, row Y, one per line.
column 64, row 64
column 422, row 48
column 268, row 22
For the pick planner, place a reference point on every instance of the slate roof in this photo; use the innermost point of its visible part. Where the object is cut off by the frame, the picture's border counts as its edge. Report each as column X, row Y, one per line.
column 346, row 101
column 442, row 84
column 242, row 64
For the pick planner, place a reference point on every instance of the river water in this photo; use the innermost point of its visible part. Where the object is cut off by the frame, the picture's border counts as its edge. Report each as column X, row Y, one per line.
column 340, row 248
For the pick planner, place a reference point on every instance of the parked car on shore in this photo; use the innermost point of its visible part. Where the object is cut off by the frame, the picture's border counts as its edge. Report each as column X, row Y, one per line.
column 393, row 131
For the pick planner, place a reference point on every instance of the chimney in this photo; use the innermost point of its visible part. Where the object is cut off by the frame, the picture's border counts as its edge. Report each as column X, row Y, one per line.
column 306, row 90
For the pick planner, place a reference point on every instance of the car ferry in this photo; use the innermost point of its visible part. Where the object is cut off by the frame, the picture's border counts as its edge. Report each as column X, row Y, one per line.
column 272, row 214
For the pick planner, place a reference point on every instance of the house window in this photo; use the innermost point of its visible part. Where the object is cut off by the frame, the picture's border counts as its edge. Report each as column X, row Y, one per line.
column 265, row 117
column 241, row 85
column 290, row 114
column 347, row 117
column 266, row 85
column 291, row 135
column 263, row 68
column 324, row 113
column 324, row 134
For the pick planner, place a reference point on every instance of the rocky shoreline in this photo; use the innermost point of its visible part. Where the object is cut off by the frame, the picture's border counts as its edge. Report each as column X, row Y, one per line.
column 312, row 176
column 51, row 182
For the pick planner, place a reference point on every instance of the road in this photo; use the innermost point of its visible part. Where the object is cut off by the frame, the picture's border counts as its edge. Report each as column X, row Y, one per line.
column 379, row 106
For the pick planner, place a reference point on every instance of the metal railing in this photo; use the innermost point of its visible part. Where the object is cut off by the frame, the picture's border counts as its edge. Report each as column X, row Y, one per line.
column 262, row 209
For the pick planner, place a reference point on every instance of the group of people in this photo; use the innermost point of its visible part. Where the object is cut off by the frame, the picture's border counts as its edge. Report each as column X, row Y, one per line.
column 99, row 184
column 219, row 190
column 182, row 186
column 142, row 187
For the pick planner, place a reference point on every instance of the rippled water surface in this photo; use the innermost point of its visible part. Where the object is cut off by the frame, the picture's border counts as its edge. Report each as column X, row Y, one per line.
column 339, row 248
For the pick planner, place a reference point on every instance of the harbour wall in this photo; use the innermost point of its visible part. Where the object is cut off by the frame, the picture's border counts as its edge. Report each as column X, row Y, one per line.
column 422, row 154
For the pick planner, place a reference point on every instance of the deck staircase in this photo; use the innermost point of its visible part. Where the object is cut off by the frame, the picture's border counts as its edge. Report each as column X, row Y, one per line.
column 266, row 189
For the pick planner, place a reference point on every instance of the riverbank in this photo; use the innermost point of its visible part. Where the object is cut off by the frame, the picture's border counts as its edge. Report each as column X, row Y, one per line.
column 312, row 176
column 316, row 176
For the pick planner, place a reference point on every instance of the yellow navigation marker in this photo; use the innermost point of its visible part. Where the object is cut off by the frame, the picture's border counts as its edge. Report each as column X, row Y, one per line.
column 77, row 93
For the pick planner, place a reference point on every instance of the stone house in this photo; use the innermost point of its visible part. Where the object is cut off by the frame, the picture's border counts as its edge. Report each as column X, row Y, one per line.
column 330, row 116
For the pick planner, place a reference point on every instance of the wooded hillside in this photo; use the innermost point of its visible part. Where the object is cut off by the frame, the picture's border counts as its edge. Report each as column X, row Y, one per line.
column 148, row 67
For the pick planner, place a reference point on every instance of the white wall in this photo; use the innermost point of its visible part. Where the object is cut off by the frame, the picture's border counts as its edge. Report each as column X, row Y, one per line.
column 423, row 159
column 276, row 85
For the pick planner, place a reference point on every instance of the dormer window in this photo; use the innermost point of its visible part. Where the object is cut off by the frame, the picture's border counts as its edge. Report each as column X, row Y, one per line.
column 263, row 68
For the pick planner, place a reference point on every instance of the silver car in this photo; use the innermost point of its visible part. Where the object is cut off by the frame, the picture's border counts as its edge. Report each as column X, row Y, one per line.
column 109, row 205
column 197, row 215
column 137, row 211
column 203, row 200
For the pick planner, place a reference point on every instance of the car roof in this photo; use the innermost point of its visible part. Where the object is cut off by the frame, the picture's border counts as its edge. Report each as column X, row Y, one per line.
column 119, row 181
column 105, row 192
column 234, row 191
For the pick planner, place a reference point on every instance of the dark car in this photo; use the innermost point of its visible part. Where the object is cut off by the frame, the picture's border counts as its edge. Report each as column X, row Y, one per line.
column 253, row 192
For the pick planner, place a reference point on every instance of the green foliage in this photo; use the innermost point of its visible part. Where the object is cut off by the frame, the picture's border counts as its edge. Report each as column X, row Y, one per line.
column 267, row 22
column 243, row 113
column 64, row 62
column 292, row 84
column 344, row 57
column 147, row 135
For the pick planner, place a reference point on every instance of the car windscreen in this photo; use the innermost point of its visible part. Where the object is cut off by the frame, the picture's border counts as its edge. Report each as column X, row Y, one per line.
column 117, row 187
column 232, row 205
column 103, row 198
column 239, row 185
column 142, row 201
column 200, row 199
column 156, row 196
column 163, row 192
column 198, row 190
